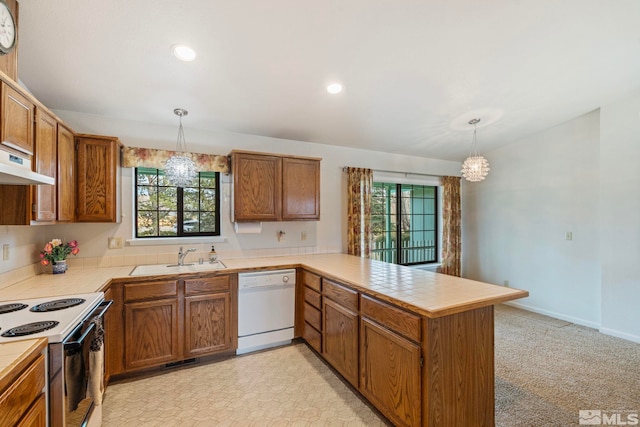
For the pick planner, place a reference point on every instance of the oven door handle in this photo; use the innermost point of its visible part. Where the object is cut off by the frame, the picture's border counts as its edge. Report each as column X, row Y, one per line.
column 97, row 313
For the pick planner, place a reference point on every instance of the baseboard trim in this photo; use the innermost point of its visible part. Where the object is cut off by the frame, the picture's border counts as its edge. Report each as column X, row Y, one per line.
column 618, row 334
column 576, row 320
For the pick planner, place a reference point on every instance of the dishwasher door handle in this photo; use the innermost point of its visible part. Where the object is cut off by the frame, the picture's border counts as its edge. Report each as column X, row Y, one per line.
column 248, row 286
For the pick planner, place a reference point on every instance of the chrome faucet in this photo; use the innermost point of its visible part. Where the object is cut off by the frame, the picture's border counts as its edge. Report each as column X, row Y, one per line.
column 182, row 255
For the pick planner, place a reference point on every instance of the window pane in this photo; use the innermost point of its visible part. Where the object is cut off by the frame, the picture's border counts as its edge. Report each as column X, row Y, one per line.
column 147, row 223
column 190, row 223
column 167, row 198
column 208, row 199
column 208, row 179
column 168, row 223
column 190, row 199
column 147, row 198
column 208, row 223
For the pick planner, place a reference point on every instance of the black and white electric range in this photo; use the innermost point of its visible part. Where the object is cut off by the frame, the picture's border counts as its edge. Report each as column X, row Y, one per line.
column 73, row 327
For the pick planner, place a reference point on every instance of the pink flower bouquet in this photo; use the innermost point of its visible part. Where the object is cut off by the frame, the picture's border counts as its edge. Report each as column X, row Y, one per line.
column 56, row 251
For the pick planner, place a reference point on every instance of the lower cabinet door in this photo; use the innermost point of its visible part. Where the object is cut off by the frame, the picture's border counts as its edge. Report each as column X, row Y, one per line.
column 390, row 373
column 151, row 331
column 37, row 414
column 207, row 324
column 341, row 340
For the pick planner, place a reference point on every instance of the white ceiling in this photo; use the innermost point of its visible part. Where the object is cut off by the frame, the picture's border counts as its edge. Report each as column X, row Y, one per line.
column 414, row 71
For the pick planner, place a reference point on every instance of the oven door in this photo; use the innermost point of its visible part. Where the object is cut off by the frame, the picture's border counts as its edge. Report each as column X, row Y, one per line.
column 83, row 368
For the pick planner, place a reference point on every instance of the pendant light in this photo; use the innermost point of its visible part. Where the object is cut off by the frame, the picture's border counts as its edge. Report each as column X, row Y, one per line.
column 179, row 169
column 476, row 167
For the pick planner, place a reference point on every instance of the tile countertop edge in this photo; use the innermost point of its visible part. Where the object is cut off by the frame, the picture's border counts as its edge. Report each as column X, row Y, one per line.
column 351, row 271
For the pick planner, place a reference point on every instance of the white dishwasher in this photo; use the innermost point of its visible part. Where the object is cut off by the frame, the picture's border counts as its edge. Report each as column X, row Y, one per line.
column 266, row 307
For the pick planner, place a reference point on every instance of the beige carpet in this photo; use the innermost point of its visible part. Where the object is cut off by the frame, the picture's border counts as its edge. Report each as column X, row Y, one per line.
column 546, row 371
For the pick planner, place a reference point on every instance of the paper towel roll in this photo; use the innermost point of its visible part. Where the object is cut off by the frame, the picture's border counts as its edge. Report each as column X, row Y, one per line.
column 248, row 227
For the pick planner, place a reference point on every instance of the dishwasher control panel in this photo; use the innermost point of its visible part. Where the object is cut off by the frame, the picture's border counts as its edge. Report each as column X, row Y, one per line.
column 261, row 279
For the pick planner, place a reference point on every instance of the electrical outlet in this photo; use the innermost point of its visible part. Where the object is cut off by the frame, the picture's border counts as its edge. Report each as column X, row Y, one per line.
column 506, row 283
column 568, row 235
column 115, row 243
column 303, row 235
column 5, row 252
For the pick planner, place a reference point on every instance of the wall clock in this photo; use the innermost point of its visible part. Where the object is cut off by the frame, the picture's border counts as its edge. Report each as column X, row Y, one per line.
column 7, row 29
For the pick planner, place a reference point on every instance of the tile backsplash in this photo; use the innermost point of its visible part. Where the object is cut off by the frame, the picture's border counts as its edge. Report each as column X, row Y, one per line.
column 13, row 276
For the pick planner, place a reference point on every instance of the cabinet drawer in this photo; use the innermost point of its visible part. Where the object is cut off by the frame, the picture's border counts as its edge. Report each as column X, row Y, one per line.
column 312, row 297
column 150, row 290
column 17, row 399
column 313, row 316
column 313, row 337
column 206, row 285
column 344, row 296
column 311, row 280
column 396, row 319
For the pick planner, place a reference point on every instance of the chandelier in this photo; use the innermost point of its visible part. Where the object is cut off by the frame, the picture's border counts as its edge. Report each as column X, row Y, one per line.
column 179, row 169
column 476, row 167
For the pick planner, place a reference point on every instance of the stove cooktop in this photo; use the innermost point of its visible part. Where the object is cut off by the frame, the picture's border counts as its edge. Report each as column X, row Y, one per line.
column 57, row 316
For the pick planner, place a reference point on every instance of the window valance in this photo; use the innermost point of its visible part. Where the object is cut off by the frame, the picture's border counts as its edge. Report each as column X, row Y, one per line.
column 133, row 157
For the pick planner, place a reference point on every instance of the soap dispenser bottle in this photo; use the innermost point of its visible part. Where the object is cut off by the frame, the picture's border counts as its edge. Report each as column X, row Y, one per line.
column 213, row 256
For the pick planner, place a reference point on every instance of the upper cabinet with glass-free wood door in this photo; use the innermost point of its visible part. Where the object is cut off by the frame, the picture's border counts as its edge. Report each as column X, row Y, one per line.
column 98, row 175
column 272, row 187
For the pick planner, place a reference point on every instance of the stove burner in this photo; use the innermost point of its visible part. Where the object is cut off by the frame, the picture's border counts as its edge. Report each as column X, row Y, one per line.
column 58, row 304
column 30, row 328
column 10, row 308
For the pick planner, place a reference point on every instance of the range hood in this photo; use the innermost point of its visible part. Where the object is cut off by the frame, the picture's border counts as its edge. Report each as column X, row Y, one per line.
column 16, row 170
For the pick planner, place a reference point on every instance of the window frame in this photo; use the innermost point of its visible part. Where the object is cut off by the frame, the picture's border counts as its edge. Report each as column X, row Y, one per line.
column 180, row 233
column 398, row 225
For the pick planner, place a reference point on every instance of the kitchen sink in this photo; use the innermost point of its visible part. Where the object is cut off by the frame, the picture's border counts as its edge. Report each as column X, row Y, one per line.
column 155, row 269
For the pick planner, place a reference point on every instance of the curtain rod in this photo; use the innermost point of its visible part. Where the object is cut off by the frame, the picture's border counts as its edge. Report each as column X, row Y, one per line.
column 406, row 174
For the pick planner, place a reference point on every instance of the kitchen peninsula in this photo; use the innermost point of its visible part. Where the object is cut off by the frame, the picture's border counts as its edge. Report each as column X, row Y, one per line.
column 418, row 345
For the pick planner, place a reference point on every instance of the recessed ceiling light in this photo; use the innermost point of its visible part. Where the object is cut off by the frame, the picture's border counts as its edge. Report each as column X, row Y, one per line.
column 183, row 53
column 334, row 88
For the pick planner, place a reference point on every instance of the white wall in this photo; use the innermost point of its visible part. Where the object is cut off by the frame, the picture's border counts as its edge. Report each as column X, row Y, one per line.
column 620, row 218
column 581, row 176
column 326, row 235
column 24, row 246
column 514, row 222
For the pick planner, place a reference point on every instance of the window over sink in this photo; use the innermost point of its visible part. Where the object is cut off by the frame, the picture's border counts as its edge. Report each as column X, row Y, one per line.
column 164, row 210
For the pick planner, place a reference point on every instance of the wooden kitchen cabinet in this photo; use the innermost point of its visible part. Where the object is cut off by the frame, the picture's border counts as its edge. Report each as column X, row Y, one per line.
column 98, row 176
column 390, row 373
column 151, row 314
column 36, row 416
column 271, row 187
column 300, row 189
column 167, row 321
column 310, row 307
column 66, row 173
column 45, row 163
column 340, row 331
column 391, row 361
column 209, row 316
column 151, row 333
column 22, row 398
column 16, row 123
column 257, row 189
